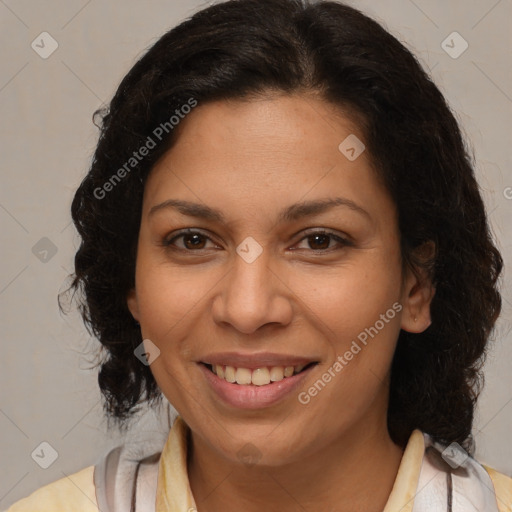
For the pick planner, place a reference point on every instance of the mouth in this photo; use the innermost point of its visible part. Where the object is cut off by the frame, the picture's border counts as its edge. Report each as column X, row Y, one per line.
column 268, row 381
column 262, row 376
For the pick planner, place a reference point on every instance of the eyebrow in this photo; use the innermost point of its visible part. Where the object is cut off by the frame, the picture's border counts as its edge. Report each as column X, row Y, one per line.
column 294, row 212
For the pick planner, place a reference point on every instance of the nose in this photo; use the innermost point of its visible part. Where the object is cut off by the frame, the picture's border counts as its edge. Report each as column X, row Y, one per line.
column 252, row 295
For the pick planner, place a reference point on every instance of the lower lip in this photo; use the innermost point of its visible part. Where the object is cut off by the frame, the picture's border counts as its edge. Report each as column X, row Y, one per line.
column 251, row 396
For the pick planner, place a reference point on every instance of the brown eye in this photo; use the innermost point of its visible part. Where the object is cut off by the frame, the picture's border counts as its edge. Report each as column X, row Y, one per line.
column 320, row 241
column 195, row 241
column 191, row 240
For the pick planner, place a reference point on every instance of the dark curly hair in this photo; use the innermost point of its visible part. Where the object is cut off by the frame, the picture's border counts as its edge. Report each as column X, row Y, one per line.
column 243, row 48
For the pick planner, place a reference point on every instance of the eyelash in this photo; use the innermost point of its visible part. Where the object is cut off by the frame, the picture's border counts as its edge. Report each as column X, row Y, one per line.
column 168, row 242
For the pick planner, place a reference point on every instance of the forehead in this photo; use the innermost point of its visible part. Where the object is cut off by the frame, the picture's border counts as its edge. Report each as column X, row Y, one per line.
column 265, row 151
column 299, row 124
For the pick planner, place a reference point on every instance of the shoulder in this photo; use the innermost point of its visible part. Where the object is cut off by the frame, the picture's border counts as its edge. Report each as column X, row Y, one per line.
column 471, row 485
column 502, row 487
column 75, row 492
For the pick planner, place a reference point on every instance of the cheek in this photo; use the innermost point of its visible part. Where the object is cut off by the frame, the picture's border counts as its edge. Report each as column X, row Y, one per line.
column 359, row 317
column 357, row 312
column 347, row 300
column 167, row 297
column 169, row 303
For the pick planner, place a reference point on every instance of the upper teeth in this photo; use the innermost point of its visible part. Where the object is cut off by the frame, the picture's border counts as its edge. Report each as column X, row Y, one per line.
column 258, row 377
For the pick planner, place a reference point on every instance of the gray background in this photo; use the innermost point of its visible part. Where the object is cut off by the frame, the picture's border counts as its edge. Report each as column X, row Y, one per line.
column 48, row 391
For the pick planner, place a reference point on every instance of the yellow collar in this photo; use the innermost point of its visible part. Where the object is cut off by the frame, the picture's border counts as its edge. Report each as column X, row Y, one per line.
column 174, row 493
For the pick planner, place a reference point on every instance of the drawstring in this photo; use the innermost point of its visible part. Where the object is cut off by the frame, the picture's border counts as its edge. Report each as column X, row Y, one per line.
column 449, row 485
column 169, row 415
column 133, row 507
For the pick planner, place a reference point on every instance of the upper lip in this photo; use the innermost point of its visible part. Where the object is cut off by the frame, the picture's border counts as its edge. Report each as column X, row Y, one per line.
column 255, row 360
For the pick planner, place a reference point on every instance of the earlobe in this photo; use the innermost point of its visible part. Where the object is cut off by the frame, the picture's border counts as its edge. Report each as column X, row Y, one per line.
column 416, row 316
column 133, row 304
column 417, row 295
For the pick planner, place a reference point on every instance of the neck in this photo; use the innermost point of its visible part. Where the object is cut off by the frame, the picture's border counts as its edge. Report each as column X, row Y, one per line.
column 357, row 472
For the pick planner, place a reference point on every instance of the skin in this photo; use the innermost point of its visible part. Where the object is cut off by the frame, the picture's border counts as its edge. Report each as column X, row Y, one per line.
column 304, row 296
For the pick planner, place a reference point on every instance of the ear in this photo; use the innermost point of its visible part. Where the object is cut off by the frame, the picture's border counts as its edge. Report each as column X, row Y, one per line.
column 418, row 293
column 133, row 304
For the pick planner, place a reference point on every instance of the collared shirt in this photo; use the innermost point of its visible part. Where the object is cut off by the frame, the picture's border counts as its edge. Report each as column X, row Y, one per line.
column 77, row 492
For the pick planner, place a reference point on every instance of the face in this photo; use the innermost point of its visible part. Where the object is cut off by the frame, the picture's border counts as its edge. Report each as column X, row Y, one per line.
column 270, row 255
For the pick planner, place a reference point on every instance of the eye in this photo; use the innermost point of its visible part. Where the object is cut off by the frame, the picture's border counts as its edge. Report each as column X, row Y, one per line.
column 192, row 240
column 319, row 241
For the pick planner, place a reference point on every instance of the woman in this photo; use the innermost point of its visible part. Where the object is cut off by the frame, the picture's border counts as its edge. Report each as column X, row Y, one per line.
column 282, row 234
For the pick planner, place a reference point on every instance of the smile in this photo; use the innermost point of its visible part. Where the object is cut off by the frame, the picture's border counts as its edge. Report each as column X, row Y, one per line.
column 253, row 388
column 256, row 377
